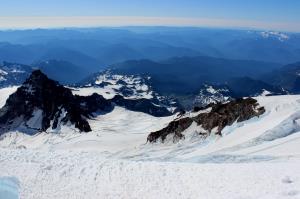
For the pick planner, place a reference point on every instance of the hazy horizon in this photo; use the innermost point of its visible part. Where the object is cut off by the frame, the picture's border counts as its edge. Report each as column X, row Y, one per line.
column 23, row 23
column 267, row 15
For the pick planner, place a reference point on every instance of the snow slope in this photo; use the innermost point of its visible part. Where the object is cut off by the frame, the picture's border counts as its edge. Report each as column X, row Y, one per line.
column 259, row 158
column 112, row 132
column 65, row 174
column 276, row 134
column 5, row 92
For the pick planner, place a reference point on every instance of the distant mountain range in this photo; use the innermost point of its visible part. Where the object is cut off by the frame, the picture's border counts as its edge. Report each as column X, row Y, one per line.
column 98, row 47
column 179, row 61
column 65, row 72
column 225, row 53
column 181, row 78
column 193, row 81
column 183, row 75
column 287, row 77
column 12, row 74
column 246, row 86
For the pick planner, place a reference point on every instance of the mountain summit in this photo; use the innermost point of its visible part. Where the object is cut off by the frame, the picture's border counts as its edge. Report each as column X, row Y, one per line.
column 41, row 103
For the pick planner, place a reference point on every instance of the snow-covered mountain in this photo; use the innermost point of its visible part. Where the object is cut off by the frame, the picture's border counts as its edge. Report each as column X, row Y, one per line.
column 39, row 104
column 12, row 74
column 275, row 35
column 129, row 86
column 233, row 89
column 109, row 84
column 209, row 94
column 287, row 77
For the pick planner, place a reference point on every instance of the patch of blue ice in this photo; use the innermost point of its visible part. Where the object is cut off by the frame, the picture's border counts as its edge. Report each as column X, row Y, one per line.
column 9, row 188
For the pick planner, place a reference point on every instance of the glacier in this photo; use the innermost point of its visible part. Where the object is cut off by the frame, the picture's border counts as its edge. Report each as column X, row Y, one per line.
column 258, row 158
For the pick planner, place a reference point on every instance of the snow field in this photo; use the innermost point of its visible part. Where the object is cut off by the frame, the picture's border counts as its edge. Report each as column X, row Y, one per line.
column 256, row 159
column 65, row 174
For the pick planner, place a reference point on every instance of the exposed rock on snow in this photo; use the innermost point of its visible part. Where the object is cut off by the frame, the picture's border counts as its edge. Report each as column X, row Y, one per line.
column 37, row 103
column 41, row 103
column 220, row 116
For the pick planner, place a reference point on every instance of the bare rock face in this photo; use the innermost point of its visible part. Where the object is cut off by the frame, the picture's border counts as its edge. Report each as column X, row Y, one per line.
column 220, row 116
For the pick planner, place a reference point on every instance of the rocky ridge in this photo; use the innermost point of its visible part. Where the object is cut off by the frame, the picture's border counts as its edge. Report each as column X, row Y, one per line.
column 211, row 119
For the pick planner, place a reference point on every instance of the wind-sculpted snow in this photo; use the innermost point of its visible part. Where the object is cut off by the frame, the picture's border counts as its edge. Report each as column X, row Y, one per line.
column 76, row 174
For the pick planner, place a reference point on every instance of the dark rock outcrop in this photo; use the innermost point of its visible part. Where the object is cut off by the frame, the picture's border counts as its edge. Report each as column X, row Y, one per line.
column 41, row 103
column 141, row 105
column 217, row 118
column 38, row 93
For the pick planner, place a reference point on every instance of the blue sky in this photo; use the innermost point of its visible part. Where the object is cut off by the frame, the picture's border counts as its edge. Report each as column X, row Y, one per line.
column 281, row 13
